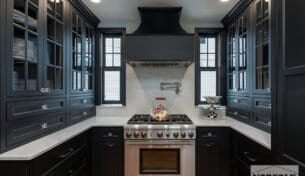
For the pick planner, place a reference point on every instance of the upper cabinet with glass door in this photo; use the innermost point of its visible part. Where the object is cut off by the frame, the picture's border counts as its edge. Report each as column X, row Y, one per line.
column 262, row 47
column 37, row 64
column 23, row 71
column 238, row 69
column 82, row 55
column 54, row 67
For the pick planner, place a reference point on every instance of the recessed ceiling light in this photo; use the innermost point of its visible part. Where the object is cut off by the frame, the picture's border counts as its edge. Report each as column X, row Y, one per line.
column 224, row 0
column 95, row 1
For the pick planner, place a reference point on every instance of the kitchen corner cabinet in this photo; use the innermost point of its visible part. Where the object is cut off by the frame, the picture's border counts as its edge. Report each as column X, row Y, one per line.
column 107, row 151
column 245, row 153
column 249, row 64
column 213, row 151
column 69, row 159
column 35, row 90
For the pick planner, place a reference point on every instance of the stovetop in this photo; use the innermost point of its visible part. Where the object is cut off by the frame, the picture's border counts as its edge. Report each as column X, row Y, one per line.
column 147, row 119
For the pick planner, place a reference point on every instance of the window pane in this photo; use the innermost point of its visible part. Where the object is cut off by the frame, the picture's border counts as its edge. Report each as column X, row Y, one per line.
column 203, row 45
column 207, row 84
column 109, row 45
column 108, row 60
column 203, row 60
column 212, row 45
column 117, row 60
column 212, row 60
column 117, row 45
column 112, row 86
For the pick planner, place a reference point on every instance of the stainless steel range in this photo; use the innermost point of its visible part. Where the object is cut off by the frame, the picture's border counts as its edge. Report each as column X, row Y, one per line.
column 160, row 148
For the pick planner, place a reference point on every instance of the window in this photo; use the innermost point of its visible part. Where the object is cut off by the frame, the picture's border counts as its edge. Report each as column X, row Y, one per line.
column 206, row 67
column 113, row 70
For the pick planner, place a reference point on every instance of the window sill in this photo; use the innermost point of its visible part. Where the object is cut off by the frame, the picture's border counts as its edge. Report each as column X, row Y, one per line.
column 111, row 106
column 206, row 106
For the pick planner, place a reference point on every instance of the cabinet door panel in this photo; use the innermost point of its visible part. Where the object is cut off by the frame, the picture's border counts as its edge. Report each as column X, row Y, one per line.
column 106, row 154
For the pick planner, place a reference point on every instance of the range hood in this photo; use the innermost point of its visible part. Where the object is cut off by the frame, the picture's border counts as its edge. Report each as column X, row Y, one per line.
column 160, row 38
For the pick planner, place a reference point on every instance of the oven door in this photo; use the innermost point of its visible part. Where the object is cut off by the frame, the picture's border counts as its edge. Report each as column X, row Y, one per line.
column 160, row 157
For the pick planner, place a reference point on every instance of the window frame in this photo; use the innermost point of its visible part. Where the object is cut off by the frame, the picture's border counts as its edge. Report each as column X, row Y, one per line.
column 210, row 32
column 113, row 33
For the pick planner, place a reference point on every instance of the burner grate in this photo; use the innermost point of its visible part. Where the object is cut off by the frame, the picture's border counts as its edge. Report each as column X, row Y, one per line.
column 147, row 119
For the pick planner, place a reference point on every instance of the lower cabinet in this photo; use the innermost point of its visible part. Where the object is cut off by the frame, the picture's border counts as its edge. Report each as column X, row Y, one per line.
column 107, row 151
column 71, row 158
column 246, row 153
column 213, row 152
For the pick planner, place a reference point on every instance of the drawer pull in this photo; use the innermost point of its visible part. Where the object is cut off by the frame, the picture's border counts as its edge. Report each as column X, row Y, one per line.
column 110, row 134
column 249, row 157
column 109, row 145
column 209, row 144
column 69, row 152
column 209, row 134
column 44, row 107
column 85, row 90
column 44, row 125
column 85, row 101
column 85, row 113
column 236, row 101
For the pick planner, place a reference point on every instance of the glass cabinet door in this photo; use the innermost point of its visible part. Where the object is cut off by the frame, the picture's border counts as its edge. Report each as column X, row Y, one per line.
column 77, row 52
column 232, row 59
column 25, row 47
column 242, row 52
column 89, row 59
column 82, row 55
column 262, row 64
column 54, row 64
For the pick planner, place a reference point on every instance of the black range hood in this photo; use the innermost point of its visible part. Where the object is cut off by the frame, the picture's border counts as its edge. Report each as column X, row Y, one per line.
column 160, row 37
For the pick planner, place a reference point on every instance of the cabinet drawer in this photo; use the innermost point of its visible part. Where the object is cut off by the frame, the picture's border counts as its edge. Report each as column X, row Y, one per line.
column 107, row 133
column 78, row 115
column 204, row 133
column 239, row 102
column 58, row 155
column 238, row 114
column 81, row 102
column 250, row 152
column 25, row 109
column 23, row 131
column 262, row 104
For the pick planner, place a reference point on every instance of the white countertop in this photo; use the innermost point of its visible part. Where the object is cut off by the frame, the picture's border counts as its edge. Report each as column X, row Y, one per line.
column 37, row 147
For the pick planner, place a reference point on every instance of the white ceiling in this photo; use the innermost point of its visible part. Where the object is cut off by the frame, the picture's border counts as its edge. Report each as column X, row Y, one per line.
column 195, row 13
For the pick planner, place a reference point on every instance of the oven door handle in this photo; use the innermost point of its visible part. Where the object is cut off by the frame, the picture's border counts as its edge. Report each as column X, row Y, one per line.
column 175, row 142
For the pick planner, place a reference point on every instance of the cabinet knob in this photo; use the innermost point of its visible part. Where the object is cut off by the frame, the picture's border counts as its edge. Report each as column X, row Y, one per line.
column 85, row 90
column 235, row 113
column 45, row 107
column 44, row 125
column 235, row 101
column 85, row 113
column 85, row 101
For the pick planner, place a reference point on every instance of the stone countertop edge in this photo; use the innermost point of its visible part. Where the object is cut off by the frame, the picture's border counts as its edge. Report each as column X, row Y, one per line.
column 42, row 145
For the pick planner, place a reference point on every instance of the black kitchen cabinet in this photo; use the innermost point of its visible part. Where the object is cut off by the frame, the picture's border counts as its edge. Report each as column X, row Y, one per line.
column 107, row 151
column 70, row 158
column 36, row 68
column 249, row 63
column 213, row 151
column 289, row 112
column 82, row 62
column 246, row 152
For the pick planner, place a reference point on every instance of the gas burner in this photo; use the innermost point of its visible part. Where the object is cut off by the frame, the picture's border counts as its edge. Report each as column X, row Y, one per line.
column 147, row 119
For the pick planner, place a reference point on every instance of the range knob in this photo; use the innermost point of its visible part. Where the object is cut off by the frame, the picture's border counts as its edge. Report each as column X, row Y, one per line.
column 143, row 134
column 160, row 134
column 191, row 134
column 176, row 134
column 136, row 134
column 167, row 134
column 128, row 134
column 183, row 134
